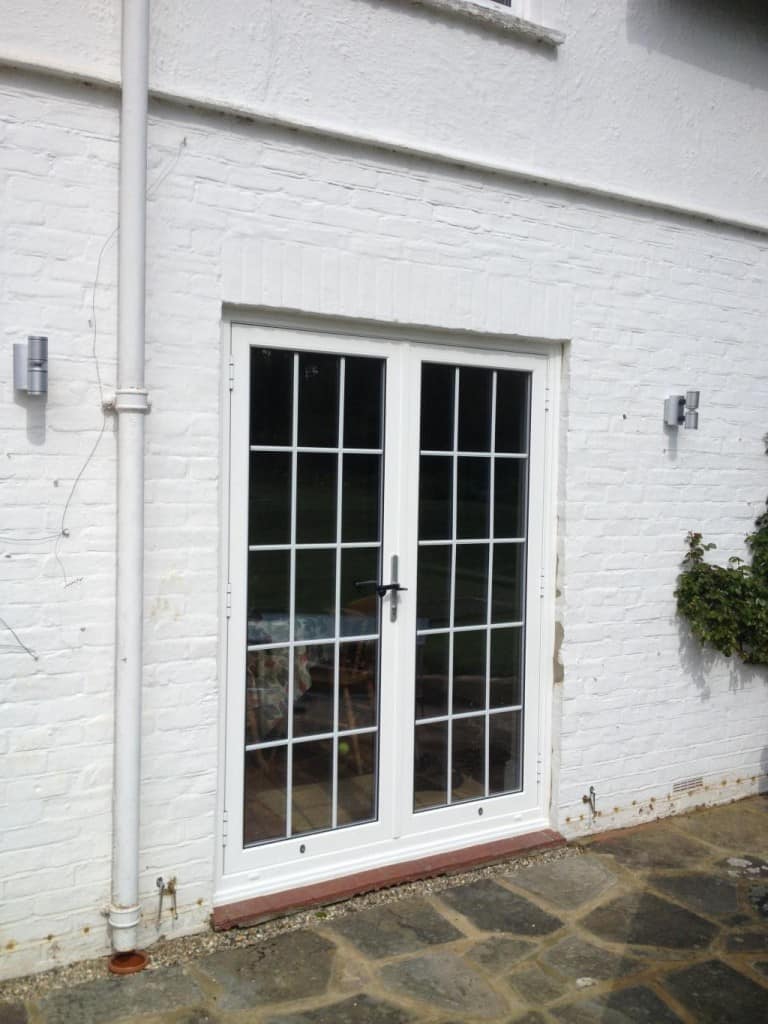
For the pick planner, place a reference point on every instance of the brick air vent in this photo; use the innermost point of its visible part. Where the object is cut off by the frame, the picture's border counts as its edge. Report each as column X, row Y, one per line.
column 686, row 785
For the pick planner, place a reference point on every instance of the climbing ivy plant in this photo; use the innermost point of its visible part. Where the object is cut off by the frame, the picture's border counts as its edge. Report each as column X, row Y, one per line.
column 727, row 606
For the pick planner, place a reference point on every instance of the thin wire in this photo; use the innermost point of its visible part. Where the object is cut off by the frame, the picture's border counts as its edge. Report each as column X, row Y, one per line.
column 19, row 641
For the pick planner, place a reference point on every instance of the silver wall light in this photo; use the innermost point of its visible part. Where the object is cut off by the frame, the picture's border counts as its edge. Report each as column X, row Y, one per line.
column 30, row 365
column 682, row 410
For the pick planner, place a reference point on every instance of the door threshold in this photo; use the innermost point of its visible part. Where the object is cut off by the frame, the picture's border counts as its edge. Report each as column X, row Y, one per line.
column 245, row 913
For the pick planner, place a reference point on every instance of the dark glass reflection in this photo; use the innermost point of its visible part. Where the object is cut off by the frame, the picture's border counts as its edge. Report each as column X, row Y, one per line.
column 474, row 409
column 358, row 684
column 313, row 689
column 356, row 779
column 468, row 777
column 269, row 498
column 469, row 671
column 312, row 786
column 363, row 403
column 315, row 597
column 271, row 396
column 437, row 387
column 432, row 675
column 268, row 596
column 266, row 695
column 508, row 576
column 512, row 391
column 506, row 667
column 430, row 766
column 434, row 587
column 264, row 810
column 359, row 603
column 505, row 754
column 318, row 400
column 509, row 515
column 473, row 498
column 360, row 498
column 435, row 497
column 471, row 600
column 316, row 499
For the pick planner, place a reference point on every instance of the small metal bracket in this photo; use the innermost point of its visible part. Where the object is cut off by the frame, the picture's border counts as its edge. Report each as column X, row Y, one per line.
column 166, row 889
column 132, row 400
column 591, row 799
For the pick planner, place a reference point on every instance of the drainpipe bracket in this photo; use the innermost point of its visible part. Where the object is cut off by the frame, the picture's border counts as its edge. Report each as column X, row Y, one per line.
column 121, row 918
column 130, row 400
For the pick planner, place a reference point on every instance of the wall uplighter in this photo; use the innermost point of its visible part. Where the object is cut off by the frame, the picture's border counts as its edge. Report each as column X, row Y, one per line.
column 30, row 365
column 682, row 410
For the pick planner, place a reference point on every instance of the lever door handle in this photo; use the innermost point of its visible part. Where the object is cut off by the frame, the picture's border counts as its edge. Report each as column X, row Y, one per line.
column 382, row 588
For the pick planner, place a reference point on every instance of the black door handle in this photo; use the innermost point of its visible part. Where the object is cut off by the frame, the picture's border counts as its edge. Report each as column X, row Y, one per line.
column 382, row 588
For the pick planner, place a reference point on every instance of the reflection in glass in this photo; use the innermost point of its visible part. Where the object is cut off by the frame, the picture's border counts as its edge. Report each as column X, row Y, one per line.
column 506, row 667
column 271, row 396
column 474, row 409
column 435, row 497
column 430, row 767
column 363, row 389
column 508, row 565
column 264, row 795
column 512, row 390
column 509, row 500
column 505, row 756
column 360, row 498
column 468, row 778
column 469, row 671
column 313, row 689
column 473, row 498
column 434, row 587
column 432, row 675
column 356, row 779
column 268, row 590
column 312, row 786
column 437, row 385
column 471, row 601
column 316, row 499
column 358, row 683
column 266, row 695
column 315, row 595
column 269, row 498
column 318, row 400
column 359, row 603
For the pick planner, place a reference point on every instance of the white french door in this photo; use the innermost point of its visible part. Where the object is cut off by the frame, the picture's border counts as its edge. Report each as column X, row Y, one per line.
column 385, row 583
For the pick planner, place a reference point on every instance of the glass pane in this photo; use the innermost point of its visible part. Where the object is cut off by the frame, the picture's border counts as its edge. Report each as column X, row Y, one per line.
column 469, row 671
column 315, row 594
column 312, row 786
column 360, row 498
column 271, row 396
column 430, row 768
column 512, row 389
column 471, row 602
column 363, row 418
column 473, row 498
column 509, row 499
column 474, row 409
column 318, row 400
column 268, row 589
column 266, row 695
column 433, row 588
column 359, row 603
column 505, row 754
column 269, row 496
column 316, row 499
column 437, row 385
column 358, row 684
column 313, row 689
column 431, row 675
column 264, row 795
column 506, row 667
column 508, row 572
column 468, row 777
column 356, row 779
column 435, row 497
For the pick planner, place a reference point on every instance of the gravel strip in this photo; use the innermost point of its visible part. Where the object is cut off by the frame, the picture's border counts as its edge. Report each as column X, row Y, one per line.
column 169, row 952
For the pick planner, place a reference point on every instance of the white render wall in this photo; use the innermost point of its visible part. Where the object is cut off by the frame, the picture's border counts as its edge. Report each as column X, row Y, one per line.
column 246, row 216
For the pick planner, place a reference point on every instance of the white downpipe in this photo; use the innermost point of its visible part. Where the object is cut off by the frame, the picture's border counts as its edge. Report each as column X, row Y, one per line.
column 131, row 404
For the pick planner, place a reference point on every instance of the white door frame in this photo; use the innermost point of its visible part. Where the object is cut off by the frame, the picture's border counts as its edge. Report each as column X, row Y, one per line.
column 398, row 835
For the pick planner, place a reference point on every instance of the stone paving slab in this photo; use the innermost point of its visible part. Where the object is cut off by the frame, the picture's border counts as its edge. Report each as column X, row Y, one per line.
column 699, row 891
column 566, row 884
column 361, row 1009
column 403, row 927
column 715, row 993
column 444, row 980
column 116, row 999
column 638, row 1005
column 643, row 919
column 495, row 909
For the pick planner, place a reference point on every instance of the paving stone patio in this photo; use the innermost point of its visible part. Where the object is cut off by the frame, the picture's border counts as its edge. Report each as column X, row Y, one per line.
column 664, row 924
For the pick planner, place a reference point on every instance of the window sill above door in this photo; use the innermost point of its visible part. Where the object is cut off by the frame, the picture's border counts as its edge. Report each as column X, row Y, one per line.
column 496, row 17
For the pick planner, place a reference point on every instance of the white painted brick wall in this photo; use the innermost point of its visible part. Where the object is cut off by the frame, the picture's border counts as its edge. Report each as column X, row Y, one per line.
column 652, row 304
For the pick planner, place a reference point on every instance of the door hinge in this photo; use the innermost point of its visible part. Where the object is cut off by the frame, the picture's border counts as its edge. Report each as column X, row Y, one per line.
column 542, row 585
column 229, row 600
column 539, row 770
column 224, row 828
column 546, row 399
column 231, row 374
